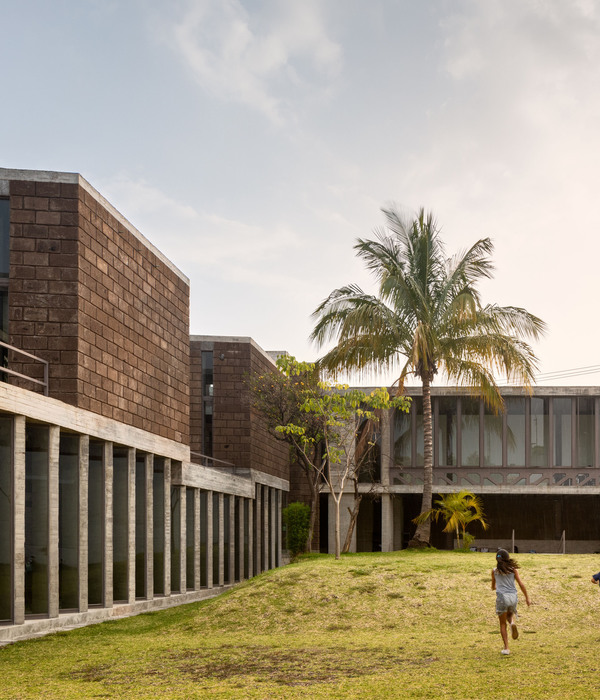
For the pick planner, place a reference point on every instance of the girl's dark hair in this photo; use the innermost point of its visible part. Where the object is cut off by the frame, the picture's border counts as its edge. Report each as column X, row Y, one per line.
column 504, row 563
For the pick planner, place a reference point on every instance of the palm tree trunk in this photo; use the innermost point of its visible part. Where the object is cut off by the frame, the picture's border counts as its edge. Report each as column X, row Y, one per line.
column 423, row 532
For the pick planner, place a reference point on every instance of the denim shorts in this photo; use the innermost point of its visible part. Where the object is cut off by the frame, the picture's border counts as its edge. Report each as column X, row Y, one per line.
column 506, row 602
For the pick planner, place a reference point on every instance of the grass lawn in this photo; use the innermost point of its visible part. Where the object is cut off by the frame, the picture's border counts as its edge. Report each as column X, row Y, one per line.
column 400, row 625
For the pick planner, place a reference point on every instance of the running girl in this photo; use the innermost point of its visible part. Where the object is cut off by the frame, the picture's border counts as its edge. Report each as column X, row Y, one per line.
column 503, row 582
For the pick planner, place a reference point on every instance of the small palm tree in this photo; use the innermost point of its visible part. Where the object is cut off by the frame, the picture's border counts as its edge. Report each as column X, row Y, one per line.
column 426, row 316
column 458, row 510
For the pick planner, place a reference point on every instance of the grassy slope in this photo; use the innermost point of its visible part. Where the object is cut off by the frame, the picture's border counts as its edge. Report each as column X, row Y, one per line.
column 405, row 624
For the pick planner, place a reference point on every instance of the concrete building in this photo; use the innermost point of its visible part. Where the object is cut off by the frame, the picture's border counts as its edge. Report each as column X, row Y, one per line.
column 120, row 491
column 536, row 468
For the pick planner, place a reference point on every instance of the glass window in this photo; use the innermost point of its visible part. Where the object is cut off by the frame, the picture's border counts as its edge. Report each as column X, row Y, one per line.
column 120, row 523
column 561, row 418
column 140, row 525
column 215, row 561
column 5, row 517
column 584, row 416
column 226, row 552
column 4, row 237
column 403, row 437
column 4, row 323
column 190, row 529
column 469, row 427
column 417, row 407
column 158, row 524
column 368, row 452
column 203, row 538
column 95, row 523
column 36, row 520
column 237, row 545
column 447, row 423
column 515, row 431
column 247, row 552
column 492, row 438
column 68, row 522
column 207, row 373
column 539, row 432
column 175, row 539
column 207, row 432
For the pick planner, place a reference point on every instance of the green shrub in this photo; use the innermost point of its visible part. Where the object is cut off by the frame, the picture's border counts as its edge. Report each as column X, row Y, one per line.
column 296, row 518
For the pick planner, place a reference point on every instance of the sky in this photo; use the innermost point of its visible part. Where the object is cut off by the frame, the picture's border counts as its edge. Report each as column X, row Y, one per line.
column 253, row 141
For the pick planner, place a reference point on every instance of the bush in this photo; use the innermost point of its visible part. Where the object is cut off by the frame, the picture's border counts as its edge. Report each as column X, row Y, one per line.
column 296, row 518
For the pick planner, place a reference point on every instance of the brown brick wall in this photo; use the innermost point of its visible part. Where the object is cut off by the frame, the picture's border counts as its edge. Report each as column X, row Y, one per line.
column 196, row 414
column 43, row 281
column 239, row 436
column 109, row 315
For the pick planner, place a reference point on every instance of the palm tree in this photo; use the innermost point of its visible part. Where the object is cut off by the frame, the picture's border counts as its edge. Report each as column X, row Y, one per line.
column 427, row 316
column 458, row 510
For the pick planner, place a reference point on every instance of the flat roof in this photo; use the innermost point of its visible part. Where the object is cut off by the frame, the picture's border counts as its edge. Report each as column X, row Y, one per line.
column 8, row 174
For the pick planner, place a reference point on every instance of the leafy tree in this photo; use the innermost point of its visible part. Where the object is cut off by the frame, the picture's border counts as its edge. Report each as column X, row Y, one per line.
column 278, row 397
column 339, row 411
column 458, row 510
column 426, row 316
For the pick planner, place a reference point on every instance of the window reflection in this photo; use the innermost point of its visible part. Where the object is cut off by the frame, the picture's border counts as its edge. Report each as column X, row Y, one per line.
column 584, row 417
column 470, row 432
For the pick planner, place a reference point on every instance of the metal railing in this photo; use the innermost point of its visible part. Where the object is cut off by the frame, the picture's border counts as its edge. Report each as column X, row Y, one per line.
column 500, row 476
column 207, row 461
column 12, row 373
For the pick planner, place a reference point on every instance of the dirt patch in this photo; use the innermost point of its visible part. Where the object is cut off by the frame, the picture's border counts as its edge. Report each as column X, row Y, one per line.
column 294, row 666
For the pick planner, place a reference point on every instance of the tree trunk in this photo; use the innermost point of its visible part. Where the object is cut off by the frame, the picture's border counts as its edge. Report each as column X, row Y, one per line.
column 337, row 526
column 352, row 524
column 423, row 533
column 314, row 504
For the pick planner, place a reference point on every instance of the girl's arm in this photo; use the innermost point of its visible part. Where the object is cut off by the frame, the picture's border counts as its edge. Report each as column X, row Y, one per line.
column 522, row 587
column 493, row 581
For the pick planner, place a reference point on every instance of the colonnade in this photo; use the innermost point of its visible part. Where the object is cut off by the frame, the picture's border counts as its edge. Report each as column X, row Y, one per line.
column 92, row 528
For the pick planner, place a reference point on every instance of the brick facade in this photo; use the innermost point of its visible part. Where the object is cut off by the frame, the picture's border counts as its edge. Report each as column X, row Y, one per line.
column 88, row 294
column 239, row 436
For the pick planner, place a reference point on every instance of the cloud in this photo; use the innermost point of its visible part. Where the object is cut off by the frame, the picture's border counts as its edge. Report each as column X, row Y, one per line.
column 269, row 61
column 208, row 243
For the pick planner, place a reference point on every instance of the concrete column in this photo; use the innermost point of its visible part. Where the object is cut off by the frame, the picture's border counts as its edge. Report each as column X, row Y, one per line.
column 107, row 459
column 149, row 573
column 231, row 539
column 19, row 520
column 240, row 552
column 278, row 525
column 53, row 557
column 84, row 467
column 387, row 523
column 274, row 537
column 131, row 524
column 209, row 539
column 265, row 528
column 221, row 581
column 250, row 538
column 387, row 512
column 167, row 534
column 182, row 539
column 258, row 543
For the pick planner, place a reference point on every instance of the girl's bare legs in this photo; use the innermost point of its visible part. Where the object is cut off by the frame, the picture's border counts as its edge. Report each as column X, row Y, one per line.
column 503, row 632
column 510, row 618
